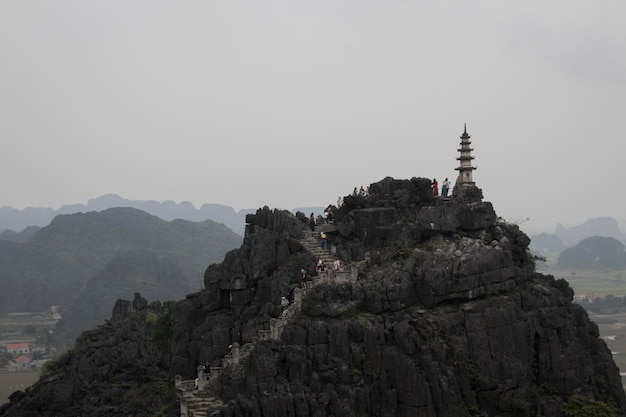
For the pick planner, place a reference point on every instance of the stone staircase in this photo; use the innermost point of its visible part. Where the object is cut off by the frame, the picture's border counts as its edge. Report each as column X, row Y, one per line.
column 205, row 401
column 311, row 242
column 200, row 402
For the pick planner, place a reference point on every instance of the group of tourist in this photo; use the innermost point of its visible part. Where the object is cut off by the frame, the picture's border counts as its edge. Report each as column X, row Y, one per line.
column 362, row 192
column 329, row 218
column 445, row 187
column 321, row 265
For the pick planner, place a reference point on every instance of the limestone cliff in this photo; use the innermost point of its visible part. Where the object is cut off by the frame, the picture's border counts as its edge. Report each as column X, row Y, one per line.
column 438, row 312
column 447, row 317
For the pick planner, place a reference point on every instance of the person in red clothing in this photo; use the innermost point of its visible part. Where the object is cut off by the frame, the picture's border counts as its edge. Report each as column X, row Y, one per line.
column 435, row 186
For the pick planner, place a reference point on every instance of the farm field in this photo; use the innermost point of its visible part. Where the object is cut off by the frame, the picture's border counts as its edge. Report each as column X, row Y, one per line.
column 612, row 327
column 600, row 283
column 613, row 330
column 15, row 381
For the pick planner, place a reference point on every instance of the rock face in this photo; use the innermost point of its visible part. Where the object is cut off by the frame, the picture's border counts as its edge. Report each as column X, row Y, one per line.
column 117, row 369
column 446, row 317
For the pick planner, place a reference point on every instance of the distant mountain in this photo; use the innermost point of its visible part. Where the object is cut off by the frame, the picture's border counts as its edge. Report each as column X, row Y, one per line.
column 126, row 273
column 17, row 220
column 599, row 226
column 545, row 242
column 54, row 266
column 563, row 238
column 19, row 237
column 594, row 253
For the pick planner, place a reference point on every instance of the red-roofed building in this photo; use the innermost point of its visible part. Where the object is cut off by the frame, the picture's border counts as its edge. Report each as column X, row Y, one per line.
column 22, row 363
column 18, row 348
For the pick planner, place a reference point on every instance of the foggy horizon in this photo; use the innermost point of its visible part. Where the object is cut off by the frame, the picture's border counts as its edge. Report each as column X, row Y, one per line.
column 288, row 105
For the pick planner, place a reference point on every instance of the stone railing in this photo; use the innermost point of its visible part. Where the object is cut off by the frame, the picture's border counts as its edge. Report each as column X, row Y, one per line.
column 337, row 277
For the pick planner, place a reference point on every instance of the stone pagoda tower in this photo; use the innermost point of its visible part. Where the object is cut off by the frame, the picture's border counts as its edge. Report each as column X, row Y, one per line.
column 465, row 160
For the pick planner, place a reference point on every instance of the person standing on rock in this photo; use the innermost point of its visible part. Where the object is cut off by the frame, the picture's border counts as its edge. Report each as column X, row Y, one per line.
column 445, row 187
column 284, row 303
column 435, row 186
column 321, row 266
column 312, row 222
column 303, row 279
column 329, row 214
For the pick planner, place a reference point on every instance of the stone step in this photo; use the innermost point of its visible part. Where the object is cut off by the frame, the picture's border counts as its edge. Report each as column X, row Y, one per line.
column 199, row 405
column 204, row 403
column 320, row 253
column 195, row 405
column 312, row 244
column 196, row 395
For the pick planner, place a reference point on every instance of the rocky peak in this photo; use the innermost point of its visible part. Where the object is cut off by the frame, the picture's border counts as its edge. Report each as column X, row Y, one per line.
column 117, row 368
column 440, row 313
column 446, row 318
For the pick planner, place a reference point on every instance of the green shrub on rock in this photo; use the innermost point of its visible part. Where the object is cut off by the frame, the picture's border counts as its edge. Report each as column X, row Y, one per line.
column 52, row 364
column 579, row 406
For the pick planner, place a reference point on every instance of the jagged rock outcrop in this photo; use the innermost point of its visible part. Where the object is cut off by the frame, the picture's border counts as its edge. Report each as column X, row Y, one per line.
column 117, row 369
column 447, row 317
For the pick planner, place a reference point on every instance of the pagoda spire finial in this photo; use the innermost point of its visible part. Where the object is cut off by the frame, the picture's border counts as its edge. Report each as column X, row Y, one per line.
column 465, row 128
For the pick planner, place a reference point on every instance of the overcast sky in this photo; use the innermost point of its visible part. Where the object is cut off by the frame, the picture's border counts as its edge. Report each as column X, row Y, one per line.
column 293, row 103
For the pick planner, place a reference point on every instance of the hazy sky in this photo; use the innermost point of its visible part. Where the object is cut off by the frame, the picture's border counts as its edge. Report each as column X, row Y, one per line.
column 293, row 103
